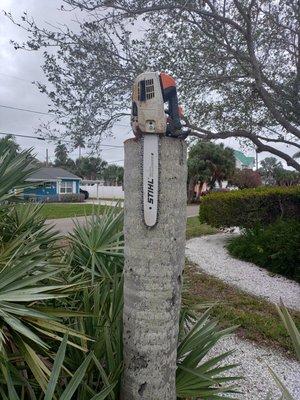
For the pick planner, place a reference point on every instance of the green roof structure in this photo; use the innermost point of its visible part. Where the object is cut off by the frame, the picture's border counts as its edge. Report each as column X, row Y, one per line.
column 245, row 161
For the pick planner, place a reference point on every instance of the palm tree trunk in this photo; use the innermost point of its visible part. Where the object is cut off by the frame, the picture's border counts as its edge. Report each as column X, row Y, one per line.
column 154, row 260
column 191, row 188
column 198, row 194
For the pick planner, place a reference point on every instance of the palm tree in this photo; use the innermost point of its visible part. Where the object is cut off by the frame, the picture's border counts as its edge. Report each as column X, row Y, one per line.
column 61, row 154
column 79, row 143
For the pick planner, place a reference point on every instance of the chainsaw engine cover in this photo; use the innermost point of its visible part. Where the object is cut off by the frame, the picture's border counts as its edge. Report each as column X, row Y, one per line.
column 148, row 115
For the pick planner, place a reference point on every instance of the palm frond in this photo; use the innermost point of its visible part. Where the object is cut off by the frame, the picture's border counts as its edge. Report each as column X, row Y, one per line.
column 199, row 375
column 14, row 169
column 97, row 245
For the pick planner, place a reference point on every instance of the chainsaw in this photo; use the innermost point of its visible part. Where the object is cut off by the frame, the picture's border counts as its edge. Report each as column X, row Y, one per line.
column 150, row 121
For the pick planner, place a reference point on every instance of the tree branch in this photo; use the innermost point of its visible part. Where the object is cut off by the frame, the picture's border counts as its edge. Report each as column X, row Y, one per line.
column 209, row 135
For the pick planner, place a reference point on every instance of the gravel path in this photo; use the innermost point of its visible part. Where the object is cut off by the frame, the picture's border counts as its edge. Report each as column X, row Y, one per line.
column 257, row 379
column 209, row 254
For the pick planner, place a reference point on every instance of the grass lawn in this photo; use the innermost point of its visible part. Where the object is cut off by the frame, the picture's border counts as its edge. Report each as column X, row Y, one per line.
column 258, row 319
column 59, row 210
column 194, row 228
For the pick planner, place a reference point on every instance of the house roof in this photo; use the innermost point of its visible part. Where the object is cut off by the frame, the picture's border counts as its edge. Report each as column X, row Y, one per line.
column 243, row 159
column 51, row 174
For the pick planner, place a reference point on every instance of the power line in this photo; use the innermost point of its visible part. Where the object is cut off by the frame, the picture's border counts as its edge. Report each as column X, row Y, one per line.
column 109, row 147
column 25, row 109
column 41, row 112
column 16, row 77
column 25, row 136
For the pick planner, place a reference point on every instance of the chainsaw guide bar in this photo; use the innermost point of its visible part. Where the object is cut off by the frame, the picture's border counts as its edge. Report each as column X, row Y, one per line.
column 150, row 178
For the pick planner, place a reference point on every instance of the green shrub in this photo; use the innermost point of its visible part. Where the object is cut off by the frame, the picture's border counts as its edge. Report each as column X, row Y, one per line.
column 249, row 207
column 57, row 198
column 65, row 198
column 275, row 247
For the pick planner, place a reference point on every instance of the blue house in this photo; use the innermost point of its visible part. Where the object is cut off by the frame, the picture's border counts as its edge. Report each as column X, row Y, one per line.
column 51, row 182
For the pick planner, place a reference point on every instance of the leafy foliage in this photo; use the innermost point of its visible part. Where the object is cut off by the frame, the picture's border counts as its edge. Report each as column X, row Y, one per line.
column 249, row 207
column 9, row 142
column 62, row 198
column 14, row 169
column 235, row 63
column 61, row 154
column 209, row 162
column 295, row 336
column 97, row 245
column 90, row 167
column 30, row 274
column 245, row 179
column 273, row 173
column 274, row 247
column 286, row 177
column 113, row 174
column 269, row 167
column 39, row 304
column 195, row 376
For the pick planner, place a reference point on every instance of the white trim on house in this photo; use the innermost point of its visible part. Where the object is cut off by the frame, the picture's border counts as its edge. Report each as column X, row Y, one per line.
column 52, row 179
column 57, row 187
column 66, row 187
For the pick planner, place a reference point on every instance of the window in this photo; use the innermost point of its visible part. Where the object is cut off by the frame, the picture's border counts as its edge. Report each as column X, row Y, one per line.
column 66, row 187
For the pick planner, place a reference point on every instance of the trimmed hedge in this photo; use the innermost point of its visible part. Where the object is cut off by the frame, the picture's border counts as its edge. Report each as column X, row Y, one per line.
column 66, row 198
column 275, row 247
column 249, row 207
column 62, row 198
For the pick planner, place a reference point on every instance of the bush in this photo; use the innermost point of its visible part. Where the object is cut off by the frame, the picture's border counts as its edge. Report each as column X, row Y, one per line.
column 274, row 247
column 246, row 179
column 249, row 207
column 71, row 198
column 57, row 198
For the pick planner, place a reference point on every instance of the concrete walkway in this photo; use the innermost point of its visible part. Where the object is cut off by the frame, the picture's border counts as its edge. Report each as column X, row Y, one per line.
column 66, row 225
column 192, row 210
column 211, row 256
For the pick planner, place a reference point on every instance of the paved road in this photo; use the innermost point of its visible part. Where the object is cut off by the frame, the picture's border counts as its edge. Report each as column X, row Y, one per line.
column 66, row 225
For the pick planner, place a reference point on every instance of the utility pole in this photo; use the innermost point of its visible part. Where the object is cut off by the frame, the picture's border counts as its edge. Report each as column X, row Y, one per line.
column 256, row 159
column 47, row 158
column 154, row 259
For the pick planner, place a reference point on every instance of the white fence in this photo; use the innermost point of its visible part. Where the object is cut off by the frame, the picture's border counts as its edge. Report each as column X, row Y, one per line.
column 104, row 192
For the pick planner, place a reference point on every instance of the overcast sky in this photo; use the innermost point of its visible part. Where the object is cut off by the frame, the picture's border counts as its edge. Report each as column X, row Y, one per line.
column 19, row 68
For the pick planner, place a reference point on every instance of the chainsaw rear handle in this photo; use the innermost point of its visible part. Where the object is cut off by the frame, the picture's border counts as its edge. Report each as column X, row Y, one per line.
column 170, row 96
